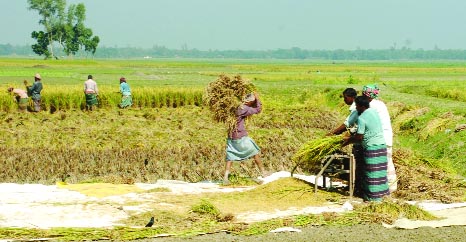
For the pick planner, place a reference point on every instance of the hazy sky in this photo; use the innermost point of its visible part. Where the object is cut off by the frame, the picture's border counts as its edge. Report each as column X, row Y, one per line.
column 258, row 24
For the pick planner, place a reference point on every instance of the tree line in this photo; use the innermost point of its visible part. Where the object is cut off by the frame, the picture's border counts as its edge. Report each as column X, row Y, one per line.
column 64, row 35
column 292, row 53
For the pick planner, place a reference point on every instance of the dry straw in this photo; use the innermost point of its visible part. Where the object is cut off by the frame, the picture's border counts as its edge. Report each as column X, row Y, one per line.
column 435, row 125
column 310, row 155
column 223, row 97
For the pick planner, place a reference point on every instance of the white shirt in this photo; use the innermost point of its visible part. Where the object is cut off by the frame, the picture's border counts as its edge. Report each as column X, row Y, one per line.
column 90, row 86
column 382, row 110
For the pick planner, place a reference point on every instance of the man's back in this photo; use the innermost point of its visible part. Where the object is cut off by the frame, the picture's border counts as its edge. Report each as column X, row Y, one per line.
column 370, row 126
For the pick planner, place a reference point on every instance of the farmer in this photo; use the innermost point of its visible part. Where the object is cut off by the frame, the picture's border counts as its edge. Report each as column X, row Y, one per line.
column 34, row 91
column 349, row 95
column 90, row 91
column 21, row 97
column 370, row 135
column 372, row 92
column 239, row 146
column 126, row 100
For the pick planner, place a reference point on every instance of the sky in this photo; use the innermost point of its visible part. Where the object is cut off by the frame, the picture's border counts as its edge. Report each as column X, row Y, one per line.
column 258, row 24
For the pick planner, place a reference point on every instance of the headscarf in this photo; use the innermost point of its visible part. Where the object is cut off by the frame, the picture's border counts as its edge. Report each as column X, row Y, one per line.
column 250, row 97
column 371, row 91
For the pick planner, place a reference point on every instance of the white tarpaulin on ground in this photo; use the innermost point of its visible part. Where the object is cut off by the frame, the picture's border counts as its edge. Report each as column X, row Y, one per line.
column 41, row 206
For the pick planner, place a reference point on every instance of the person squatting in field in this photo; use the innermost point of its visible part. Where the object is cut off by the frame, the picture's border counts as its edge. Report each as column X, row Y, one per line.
column 125, row 90
column 370, row 134
column 21, row 97
column 90, row 91
column 34, row 91
column 239, row 145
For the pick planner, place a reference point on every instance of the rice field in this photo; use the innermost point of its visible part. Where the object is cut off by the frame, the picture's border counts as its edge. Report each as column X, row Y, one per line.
column 170, row 134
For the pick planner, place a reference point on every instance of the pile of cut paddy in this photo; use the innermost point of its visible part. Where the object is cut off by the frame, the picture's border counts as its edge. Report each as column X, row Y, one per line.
column 223, row 97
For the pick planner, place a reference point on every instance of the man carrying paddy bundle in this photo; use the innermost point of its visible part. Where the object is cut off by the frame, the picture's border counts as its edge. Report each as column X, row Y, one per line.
column 239, row 145
column 371, row 135
column 90, row 91
column 21, row 97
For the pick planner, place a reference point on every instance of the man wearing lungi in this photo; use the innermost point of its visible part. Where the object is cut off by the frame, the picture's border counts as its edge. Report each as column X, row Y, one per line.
column 370, row 135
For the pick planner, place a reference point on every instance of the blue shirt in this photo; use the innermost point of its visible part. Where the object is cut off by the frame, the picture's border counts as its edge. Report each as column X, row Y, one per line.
column 124, row 89
column 370, row 126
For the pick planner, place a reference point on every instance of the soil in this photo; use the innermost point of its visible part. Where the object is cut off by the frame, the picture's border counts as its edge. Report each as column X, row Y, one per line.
column 343, row 233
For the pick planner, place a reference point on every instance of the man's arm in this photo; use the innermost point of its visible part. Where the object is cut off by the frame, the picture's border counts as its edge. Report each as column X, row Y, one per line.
column 357, row 138
column 340, row 129
column 245, row 110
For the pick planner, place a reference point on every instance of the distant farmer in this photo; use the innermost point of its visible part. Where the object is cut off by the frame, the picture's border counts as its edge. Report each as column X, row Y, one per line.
column 126, row 99
column 239, row 145
column 370, row 135
column 34, row 91
column 90, row 91
column 21, row 97
column 372, row 92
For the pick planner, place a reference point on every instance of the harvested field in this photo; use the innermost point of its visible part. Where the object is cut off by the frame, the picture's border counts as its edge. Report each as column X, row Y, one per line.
column 169, row 134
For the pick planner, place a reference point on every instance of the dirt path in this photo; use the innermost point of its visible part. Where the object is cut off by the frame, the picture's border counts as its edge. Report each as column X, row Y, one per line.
column 345, row 233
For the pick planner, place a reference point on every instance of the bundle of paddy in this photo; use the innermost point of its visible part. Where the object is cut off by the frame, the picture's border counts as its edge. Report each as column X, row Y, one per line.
column 310, row 155
column 435, row 125
column 388, row 211
column 223, row 97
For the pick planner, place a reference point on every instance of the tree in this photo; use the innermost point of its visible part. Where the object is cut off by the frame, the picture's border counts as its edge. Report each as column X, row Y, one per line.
column 41, row 48
column 68, row 29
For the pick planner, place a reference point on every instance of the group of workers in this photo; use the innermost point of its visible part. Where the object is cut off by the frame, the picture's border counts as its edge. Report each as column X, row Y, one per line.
column 372, row 138
column 22, row 96
column 370, row 131
column 368, row 123
column 91, row 93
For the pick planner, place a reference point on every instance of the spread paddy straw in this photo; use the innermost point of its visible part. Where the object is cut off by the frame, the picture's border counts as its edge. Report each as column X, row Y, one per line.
column 223, row 97
column 309, row 156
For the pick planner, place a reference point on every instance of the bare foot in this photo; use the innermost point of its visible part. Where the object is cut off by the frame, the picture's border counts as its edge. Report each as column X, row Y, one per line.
column 257, row 180
column 266, row 174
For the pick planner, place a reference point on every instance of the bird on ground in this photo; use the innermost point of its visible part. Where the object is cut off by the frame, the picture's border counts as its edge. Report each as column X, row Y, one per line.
column 151, row 222
column 146, row 162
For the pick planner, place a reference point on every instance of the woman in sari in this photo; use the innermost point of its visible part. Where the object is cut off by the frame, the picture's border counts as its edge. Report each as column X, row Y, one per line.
column 126, row 99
